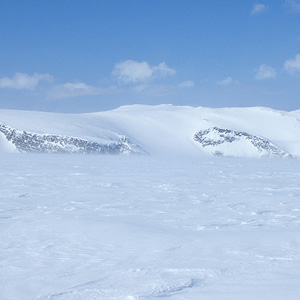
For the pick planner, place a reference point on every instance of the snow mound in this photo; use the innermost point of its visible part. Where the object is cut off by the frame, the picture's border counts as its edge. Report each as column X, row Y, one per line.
column 225, row 142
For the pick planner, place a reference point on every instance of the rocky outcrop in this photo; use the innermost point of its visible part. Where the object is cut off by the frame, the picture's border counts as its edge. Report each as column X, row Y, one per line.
column 224, row 142
column 48, row 143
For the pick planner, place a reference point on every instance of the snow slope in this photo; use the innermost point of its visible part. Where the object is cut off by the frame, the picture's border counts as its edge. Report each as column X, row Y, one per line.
column 167, row 129
column 5, row 145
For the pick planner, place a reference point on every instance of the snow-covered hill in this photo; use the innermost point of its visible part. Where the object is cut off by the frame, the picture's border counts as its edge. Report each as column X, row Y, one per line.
column 236, row 143
column 162, row 129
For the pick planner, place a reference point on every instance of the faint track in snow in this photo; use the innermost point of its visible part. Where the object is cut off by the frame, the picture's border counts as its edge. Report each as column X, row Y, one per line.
column 168, row 291
column 142, row 284
column 87, row 286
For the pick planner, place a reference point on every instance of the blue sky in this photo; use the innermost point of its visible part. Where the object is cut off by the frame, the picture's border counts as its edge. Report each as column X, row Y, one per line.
column 82, row 56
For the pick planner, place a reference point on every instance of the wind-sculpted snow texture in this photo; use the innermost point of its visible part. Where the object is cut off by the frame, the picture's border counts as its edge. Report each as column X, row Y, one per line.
column 94, row 227
column 47, row 143
column 215, row 137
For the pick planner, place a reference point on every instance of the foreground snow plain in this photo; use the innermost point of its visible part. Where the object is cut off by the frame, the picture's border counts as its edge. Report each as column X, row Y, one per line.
column 137, row 228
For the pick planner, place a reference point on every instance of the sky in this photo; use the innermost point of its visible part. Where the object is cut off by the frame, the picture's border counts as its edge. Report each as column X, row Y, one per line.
column 77, row 56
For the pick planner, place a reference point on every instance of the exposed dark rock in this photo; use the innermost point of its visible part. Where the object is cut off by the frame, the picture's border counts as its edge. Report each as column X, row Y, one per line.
column 213, row 137
column 48, row 143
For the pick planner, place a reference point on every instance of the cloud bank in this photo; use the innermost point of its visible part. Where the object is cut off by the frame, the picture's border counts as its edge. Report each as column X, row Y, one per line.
column 24, row 81
column 136, row 75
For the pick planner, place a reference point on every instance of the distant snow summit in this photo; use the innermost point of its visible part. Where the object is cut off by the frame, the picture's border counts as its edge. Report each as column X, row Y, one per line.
column 162, row 129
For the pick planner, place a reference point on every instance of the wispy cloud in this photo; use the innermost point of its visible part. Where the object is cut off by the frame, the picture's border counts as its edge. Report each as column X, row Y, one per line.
column 293, row 5
column 257, row 9
column 163, row 70
column 24, row 81
column 227, row 81
column 265, row 72
column 187, row 84
column 292, row 65
column 131, row 71
column 78, row 89
column 154, row 90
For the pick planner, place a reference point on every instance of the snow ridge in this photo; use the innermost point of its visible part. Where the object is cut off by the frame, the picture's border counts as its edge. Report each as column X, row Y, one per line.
column 48, row 143
column 216, row 138
column 156, row 130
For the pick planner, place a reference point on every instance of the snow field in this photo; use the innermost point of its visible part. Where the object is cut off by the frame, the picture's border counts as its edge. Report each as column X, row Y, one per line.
column 138, row 228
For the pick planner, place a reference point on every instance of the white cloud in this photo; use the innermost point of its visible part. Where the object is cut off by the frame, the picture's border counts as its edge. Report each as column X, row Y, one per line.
column 78, row 86
column 258, row 8
column 227, row 81
column 131, row 71
column 163, row 70
column 292, row 65
column 187, row 84
column 69, row 90
column 24, row 81
column 294, row 5
column 265, row 72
